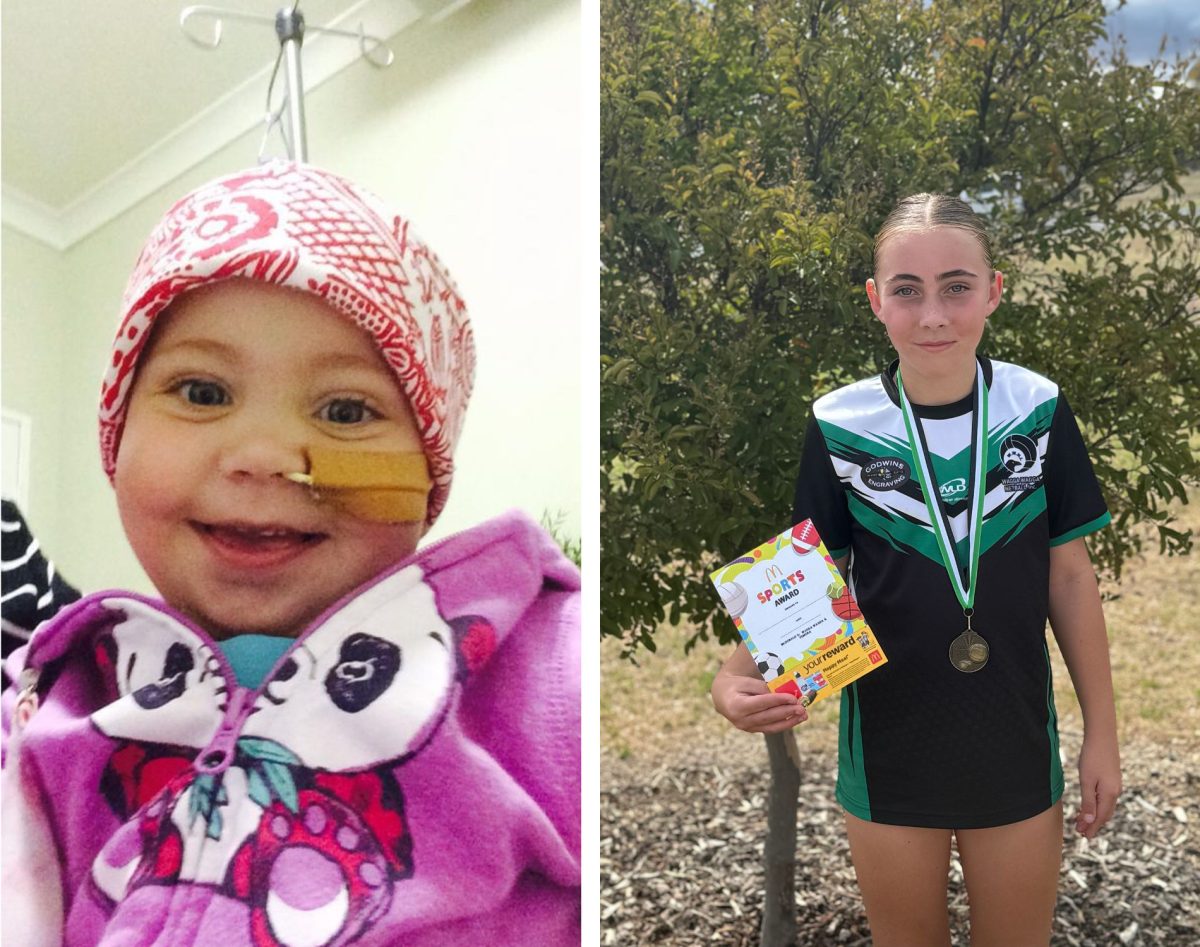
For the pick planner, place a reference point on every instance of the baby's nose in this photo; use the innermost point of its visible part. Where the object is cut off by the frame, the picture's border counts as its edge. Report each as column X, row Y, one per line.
column 264, row 454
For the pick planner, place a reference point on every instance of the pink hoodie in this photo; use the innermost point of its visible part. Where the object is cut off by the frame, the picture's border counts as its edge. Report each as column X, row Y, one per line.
column 407, row 774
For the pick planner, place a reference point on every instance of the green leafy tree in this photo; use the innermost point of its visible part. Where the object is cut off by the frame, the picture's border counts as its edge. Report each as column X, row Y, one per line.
column 748, row 153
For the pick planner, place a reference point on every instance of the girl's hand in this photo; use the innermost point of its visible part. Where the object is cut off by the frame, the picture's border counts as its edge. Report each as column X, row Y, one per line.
column 1100, row 782
column 750, row 705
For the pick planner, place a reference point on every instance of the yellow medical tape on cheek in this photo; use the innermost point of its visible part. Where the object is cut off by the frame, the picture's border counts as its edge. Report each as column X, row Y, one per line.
column 384, row 487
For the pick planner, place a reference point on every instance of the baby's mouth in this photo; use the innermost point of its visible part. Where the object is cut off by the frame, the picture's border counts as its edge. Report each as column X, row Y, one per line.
column 257, row 544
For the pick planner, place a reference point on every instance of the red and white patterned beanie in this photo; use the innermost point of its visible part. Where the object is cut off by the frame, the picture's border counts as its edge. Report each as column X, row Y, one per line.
column 298, row 226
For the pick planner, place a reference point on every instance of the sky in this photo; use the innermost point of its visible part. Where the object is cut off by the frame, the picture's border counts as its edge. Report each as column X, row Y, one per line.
column 1144, row 22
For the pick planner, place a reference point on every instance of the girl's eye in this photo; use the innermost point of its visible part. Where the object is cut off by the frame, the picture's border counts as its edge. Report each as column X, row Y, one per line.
column 347, row 411
column 206, row 394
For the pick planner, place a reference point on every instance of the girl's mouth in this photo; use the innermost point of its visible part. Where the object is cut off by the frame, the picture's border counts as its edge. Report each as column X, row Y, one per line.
column 250, row 546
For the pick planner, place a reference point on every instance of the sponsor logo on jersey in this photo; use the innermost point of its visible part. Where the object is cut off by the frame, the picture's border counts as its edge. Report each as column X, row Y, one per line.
column 953, row 489
column 886, row 473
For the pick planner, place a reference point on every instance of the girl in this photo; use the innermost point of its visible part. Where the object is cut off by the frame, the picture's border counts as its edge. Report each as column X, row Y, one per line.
column 958, row 491
column 321, row 734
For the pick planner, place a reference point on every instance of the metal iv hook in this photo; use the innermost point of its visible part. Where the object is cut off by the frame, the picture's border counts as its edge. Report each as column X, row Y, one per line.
column 374, row 50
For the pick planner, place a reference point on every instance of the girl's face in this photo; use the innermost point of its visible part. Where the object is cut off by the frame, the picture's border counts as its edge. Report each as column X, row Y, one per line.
column 933, row 292
column 239, row 379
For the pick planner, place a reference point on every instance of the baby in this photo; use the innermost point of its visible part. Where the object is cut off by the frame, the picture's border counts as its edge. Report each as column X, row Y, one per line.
column 321, row 736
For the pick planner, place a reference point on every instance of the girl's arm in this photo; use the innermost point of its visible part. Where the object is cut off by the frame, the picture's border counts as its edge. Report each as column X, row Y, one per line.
column 741, row 695
column 1078, row 624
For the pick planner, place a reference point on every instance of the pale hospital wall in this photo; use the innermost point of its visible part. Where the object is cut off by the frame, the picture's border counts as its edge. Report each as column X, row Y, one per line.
column 474, row 134
column 34, row 342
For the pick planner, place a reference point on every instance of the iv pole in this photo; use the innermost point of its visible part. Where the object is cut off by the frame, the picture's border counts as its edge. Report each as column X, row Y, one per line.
column 290, row 29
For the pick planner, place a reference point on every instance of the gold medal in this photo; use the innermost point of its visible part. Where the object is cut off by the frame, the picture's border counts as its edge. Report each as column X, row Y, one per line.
column 968, row 652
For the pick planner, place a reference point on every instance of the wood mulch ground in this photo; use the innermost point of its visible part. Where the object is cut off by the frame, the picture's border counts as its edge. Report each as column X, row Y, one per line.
column 683, row 795
column 681, row 850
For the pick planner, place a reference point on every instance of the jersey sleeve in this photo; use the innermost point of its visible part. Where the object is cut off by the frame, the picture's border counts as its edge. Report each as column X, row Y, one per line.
column 1074, row 504
column 819, row 493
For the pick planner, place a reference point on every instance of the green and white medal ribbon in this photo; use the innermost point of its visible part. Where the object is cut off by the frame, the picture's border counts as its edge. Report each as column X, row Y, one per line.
column 969, row 651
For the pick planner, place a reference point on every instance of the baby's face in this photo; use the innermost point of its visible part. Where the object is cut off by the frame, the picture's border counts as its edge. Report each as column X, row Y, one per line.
column 239, row 379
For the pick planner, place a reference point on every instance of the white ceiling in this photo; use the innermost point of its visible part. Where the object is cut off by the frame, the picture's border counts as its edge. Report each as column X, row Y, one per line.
column 103, row 102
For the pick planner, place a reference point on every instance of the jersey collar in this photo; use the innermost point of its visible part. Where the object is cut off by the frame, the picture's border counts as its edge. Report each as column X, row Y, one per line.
column 937, row 411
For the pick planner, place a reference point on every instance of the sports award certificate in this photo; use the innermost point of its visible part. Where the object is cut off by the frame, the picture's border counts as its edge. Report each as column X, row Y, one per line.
column 797, row 616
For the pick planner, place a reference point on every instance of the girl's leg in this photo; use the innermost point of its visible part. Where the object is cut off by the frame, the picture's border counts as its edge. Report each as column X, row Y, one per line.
column 902, row 874
column 1011, row 872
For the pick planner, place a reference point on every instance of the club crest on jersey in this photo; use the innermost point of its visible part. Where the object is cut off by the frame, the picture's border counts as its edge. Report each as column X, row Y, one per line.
column 1019, row 456
column 1018, row 453
column 886, row 473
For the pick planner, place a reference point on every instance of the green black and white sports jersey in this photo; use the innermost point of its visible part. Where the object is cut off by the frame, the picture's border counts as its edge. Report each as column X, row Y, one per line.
column 922, row 743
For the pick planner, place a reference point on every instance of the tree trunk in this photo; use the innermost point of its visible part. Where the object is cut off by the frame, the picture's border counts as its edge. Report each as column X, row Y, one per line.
column 779, row 852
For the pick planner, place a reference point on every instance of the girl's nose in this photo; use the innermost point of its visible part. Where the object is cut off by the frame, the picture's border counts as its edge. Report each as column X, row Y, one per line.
column 933, row 314
column 263, row 451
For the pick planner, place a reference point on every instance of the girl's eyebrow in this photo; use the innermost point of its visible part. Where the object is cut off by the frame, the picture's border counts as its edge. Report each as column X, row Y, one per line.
column 911, row 278
column 343, row 360
column 207, row 346
column 214, row 347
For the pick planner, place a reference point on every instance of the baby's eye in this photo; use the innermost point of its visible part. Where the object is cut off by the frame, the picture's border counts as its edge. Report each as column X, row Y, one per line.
column 347, row 411
column 206, row 394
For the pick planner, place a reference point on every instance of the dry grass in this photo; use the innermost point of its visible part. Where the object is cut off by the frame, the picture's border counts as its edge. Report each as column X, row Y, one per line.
column 1156, row 666
column 660, row 710
column 1137, row 250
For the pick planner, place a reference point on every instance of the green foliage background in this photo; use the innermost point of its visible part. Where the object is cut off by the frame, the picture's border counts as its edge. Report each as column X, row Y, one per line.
column 749, row 150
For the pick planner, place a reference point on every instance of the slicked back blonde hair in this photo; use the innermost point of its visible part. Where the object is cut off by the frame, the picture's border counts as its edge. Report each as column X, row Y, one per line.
column 925, row 211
